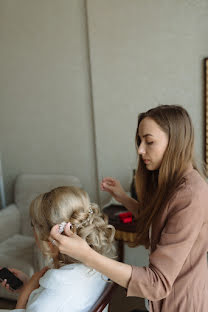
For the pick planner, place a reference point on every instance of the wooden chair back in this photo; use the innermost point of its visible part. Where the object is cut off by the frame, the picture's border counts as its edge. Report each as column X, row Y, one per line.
column 105, row 298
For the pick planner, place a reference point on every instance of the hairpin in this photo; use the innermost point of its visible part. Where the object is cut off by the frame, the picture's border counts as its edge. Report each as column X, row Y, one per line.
column 62, row 227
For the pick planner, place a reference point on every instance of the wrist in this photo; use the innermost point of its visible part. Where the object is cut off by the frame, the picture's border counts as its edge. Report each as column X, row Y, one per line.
column 125, row 200
column 88, row 257
column 20, row 305
column 22, row 300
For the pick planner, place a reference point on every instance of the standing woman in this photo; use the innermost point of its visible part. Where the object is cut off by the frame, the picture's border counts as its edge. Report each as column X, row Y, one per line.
column 172, row 216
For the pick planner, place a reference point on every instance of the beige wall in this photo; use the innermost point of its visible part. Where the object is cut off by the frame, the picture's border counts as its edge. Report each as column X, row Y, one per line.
column 142, row 53
column 45, row 108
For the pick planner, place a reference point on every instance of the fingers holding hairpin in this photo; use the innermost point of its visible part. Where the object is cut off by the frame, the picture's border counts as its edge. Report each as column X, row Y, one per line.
column 70, row 243
column 57, row 231
column 68, row 229
column 62, row 227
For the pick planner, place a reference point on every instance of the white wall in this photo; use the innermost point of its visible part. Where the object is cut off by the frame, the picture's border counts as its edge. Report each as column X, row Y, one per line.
column 46, row 121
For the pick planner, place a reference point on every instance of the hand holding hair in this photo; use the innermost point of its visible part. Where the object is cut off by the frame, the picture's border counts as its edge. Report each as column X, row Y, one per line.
column 69, row 244
column 74, row 246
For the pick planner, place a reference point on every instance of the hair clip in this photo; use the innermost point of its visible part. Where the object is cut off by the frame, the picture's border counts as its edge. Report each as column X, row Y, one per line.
column 62, row 227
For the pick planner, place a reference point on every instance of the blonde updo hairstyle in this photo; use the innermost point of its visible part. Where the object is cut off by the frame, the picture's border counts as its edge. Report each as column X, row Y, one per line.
column 71, row 204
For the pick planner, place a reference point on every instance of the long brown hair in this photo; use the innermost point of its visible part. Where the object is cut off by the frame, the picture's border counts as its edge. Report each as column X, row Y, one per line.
column 154, row 188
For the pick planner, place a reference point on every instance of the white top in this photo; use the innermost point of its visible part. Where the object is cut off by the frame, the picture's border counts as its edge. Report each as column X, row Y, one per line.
column 72, row 288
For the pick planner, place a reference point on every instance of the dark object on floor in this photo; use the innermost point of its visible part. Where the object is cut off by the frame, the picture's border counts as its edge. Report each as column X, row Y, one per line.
column 121, row 303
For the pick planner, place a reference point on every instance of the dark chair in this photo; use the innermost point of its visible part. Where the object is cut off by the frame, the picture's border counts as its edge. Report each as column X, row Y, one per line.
column 105, row 298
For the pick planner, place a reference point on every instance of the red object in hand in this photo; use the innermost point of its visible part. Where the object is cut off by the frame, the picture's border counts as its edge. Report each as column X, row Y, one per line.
column 125, row 217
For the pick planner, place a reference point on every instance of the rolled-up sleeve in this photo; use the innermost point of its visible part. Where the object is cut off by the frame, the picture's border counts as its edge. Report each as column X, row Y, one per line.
column 183, row 224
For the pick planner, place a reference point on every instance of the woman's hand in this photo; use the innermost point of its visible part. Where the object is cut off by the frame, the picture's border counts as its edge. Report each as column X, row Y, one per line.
column 21, row 275
column 114, row 187
column 31, row 285
column 77, row 248
column 71, row 245
column 33, row 282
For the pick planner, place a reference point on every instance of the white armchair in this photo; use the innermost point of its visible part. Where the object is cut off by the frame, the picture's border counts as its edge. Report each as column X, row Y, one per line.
column 17, row 245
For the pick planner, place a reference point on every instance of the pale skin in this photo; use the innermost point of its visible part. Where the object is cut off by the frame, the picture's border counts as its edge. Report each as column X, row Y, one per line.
column 153, row 145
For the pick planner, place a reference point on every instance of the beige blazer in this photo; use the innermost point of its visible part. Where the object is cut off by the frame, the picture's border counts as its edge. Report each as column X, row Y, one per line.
column 177, row 277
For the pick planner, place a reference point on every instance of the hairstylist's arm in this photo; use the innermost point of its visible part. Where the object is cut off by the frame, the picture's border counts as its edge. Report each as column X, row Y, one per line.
column 113, row 186
column 77, row 248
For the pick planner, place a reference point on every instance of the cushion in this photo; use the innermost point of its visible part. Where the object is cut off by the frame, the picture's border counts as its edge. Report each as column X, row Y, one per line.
column 9, row 222
column 29, row 186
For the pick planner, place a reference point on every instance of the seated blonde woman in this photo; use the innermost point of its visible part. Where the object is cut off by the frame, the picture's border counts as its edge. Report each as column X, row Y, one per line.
column 68, row 285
